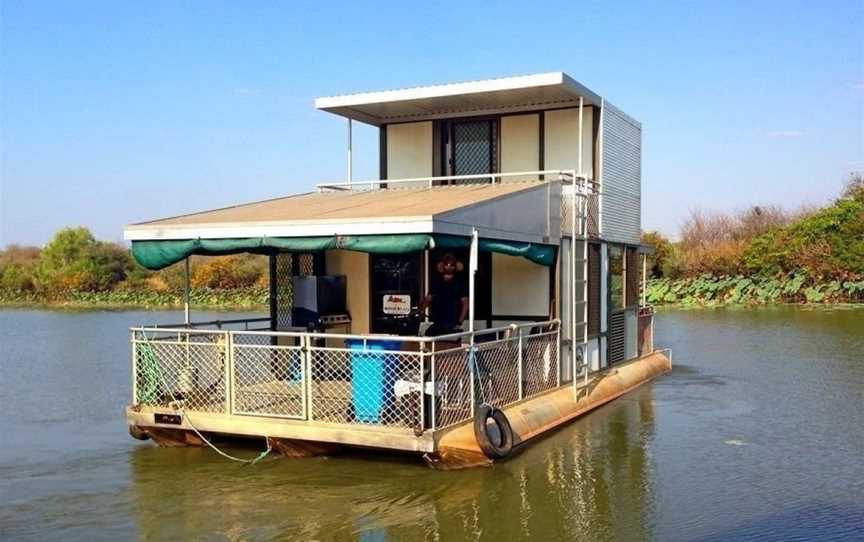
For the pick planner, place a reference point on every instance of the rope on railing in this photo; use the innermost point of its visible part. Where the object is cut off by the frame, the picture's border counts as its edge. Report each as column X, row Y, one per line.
column 154, row 377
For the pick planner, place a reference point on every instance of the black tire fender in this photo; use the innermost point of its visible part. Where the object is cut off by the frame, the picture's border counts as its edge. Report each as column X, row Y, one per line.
column 491, row 449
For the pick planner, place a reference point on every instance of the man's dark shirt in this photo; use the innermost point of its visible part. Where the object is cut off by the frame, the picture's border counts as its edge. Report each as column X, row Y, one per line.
column 447, row 301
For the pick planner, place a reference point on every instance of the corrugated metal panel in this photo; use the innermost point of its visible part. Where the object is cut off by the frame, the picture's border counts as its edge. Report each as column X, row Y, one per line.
column 621, row 176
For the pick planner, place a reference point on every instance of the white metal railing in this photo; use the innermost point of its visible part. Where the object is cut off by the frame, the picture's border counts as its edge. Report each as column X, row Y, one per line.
column 427, row 383
column 245, row 324
column 564, row 175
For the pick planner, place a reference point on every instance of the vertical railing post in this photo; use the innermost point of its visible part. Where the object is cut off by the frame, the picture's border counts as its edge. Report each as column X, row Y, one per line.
column 306, row 344
column 422, row 354
column 134, row 370
column 471, row 371
column 434, row 388
column 558, row 352
column 519, row 362
column 229, row 372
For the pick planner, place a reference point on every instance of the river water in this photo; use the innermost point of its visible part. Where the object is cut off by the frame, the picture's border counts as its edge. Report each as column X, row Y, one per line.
column 757, row 434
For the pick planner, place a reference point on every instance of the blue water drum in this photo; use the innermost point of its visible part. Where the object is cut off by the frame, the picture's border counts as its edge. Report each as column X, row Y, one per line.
column 372, row 377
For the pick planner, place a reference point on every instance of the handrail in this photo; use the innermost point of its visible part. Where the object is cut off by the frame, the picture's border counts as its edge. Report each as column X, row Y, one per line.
column 323, row 335
column 567, row 175
column 162, row 327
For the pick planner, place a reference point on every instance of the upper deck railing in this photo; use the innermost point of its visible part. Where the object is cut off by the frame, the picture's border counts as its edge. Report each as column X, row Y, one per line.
column 580, row 192
column 563, row 175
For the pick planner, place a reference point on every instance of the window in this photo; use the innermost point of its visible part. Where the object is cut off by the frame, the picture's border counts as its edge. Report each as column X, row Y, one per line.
column 473, row 147
column 396, row 274
column 616, row 277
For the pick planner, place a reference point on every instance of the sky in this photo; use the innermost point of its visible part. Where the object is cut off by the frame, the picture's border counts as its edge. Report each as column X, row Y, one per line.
column 117, row 112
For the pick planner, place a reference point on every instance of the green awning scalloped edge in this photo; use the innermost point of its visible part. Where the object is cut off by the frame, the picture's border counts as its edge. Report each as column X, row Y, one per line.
column 158, row 254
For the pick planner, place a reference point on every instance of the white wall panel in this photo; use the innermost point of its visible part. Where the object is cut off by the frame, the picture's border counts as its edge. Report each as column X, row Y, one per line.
column 409, row 150
column 561, row 139
column 520, row 143
column 519, row 287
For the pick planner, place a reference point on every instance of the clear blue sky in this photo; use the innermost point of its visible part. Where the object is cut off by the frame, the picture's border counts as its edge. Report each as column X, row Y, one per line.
column 118, row 112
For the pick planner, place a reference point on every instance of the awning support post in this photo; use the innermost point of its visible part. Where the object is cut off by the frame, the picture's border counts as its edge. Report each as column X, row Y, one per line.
column 186, row 290
column 472, row 270
column 350, row 157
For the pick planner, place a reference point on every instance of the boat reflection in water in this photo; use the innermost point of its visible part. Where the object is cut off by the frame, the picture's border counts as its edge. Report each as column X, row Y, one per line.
column 592, row 479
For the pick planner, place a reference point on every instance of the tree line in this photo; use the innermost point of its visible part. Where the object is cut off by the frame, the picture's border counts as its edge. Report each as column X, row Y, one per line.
column 762, row 253
column 765, row 254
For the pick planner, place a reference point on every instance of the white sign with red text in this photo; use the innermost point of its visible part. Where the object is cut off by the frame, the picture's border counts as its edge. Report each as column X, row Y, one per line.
column 397, row 304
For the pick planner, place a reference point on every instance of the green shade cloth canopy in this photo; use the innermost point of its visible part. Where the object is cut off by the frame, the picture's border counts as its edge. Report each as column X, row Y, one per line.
column 158, row 254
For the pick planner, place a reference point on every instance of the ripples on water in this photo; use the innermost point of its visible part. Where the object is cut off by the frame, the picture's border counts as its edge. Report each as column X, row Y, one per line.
column 757, row 434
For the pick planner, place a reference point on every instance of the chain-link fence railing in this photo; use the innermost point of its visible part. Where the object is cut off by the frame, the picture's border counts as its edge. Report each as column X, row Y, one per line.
column 502, row 368
column 540, row 367
column 416, row 385
column 181, row 370
column 366, row 386
column 269, row 378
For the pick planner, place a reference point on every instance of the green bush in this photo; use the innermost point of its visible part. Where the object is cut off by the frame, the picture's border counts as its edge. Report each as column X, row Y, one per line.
column 828, row 244
column 74, row 260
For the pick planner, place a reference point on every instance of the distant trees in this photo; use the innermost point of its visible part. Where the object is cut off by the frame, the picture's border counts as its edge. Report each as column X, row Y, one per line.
column 822, row 244
column 75, row 261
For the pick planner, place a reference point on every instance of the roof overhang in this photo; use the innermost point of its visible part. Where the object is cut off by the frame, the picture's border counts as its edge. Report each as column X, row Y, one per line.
column 299, row 228
column 492, row 96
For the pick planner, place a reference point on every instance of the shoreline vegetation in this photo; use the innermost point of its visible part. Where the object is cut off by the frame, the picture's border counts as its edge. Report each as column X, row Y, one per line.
column 759, row 256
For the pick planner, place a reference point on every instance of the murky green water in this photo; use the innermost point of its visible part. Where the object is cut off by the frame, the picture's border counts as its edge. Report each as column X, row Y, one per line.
column 758, row 434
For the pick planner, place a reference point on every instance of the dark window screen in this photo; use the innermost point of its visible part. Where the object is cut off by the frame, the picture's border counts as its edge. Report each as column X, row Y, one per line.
column 633, row 272
column 474, row 147
column 393, row 274
column 593, row 289
column 616, row 277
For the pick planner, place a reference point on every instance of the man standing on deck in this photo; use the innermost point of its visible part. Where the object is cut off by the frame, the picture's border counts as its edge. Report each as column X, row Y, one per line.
column 447, row 299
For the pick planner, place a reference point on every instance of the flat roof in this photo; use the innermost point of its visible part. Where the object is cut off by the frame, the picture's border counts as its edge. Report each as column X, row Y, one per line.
column 490, row 96
column 328, row 213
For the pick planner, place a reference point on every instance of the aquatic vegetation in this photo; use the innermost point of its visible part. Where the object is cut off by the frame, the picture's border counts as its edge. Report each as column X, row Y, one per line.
column 710, row 290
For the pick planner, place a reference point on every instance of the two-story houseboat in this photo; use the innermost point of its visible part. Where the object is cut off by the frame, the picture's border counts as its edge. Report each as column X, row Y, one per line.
column 506, row 209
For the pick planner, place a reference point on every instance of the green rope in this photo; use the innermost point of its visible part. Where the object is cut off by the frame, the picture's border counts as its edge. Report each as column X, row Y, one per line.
column 148, row 367
column 153, row 376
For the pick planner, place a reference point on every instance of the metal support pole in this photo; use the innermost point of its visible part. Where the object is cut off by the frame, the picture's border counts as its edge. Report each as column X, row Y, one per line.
column 134, row 370
column 306, row 343
column 434, row 389
column 422, row 353
column 472, row 270
column 519, row 360
column 579, row 138
column 186, row 290
column 350, row 156
column 229, row 373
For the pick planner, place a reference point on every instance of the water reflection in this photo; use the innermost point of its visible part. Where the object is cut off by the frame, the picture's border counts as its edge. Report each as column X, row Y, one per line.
column 590, row 480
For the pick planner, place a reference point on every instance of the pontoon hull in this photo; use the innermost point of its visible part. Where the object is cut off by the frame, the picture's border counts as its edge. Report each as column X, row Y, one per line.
column 458, row 448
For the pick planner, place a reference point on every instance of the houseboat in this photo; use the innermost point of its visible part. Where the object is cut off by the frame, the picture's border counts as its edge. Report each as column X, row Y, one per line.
column 484, row 290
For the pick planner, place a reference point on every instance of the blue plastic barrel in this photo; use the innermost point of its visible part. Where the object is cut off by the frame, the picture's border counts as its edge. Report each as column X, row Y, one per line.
column 371, row 377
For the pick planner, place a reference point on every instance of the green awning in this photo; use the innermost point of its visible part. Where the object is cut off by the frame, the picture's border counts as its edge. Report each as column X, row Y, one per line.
column 158, row 254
